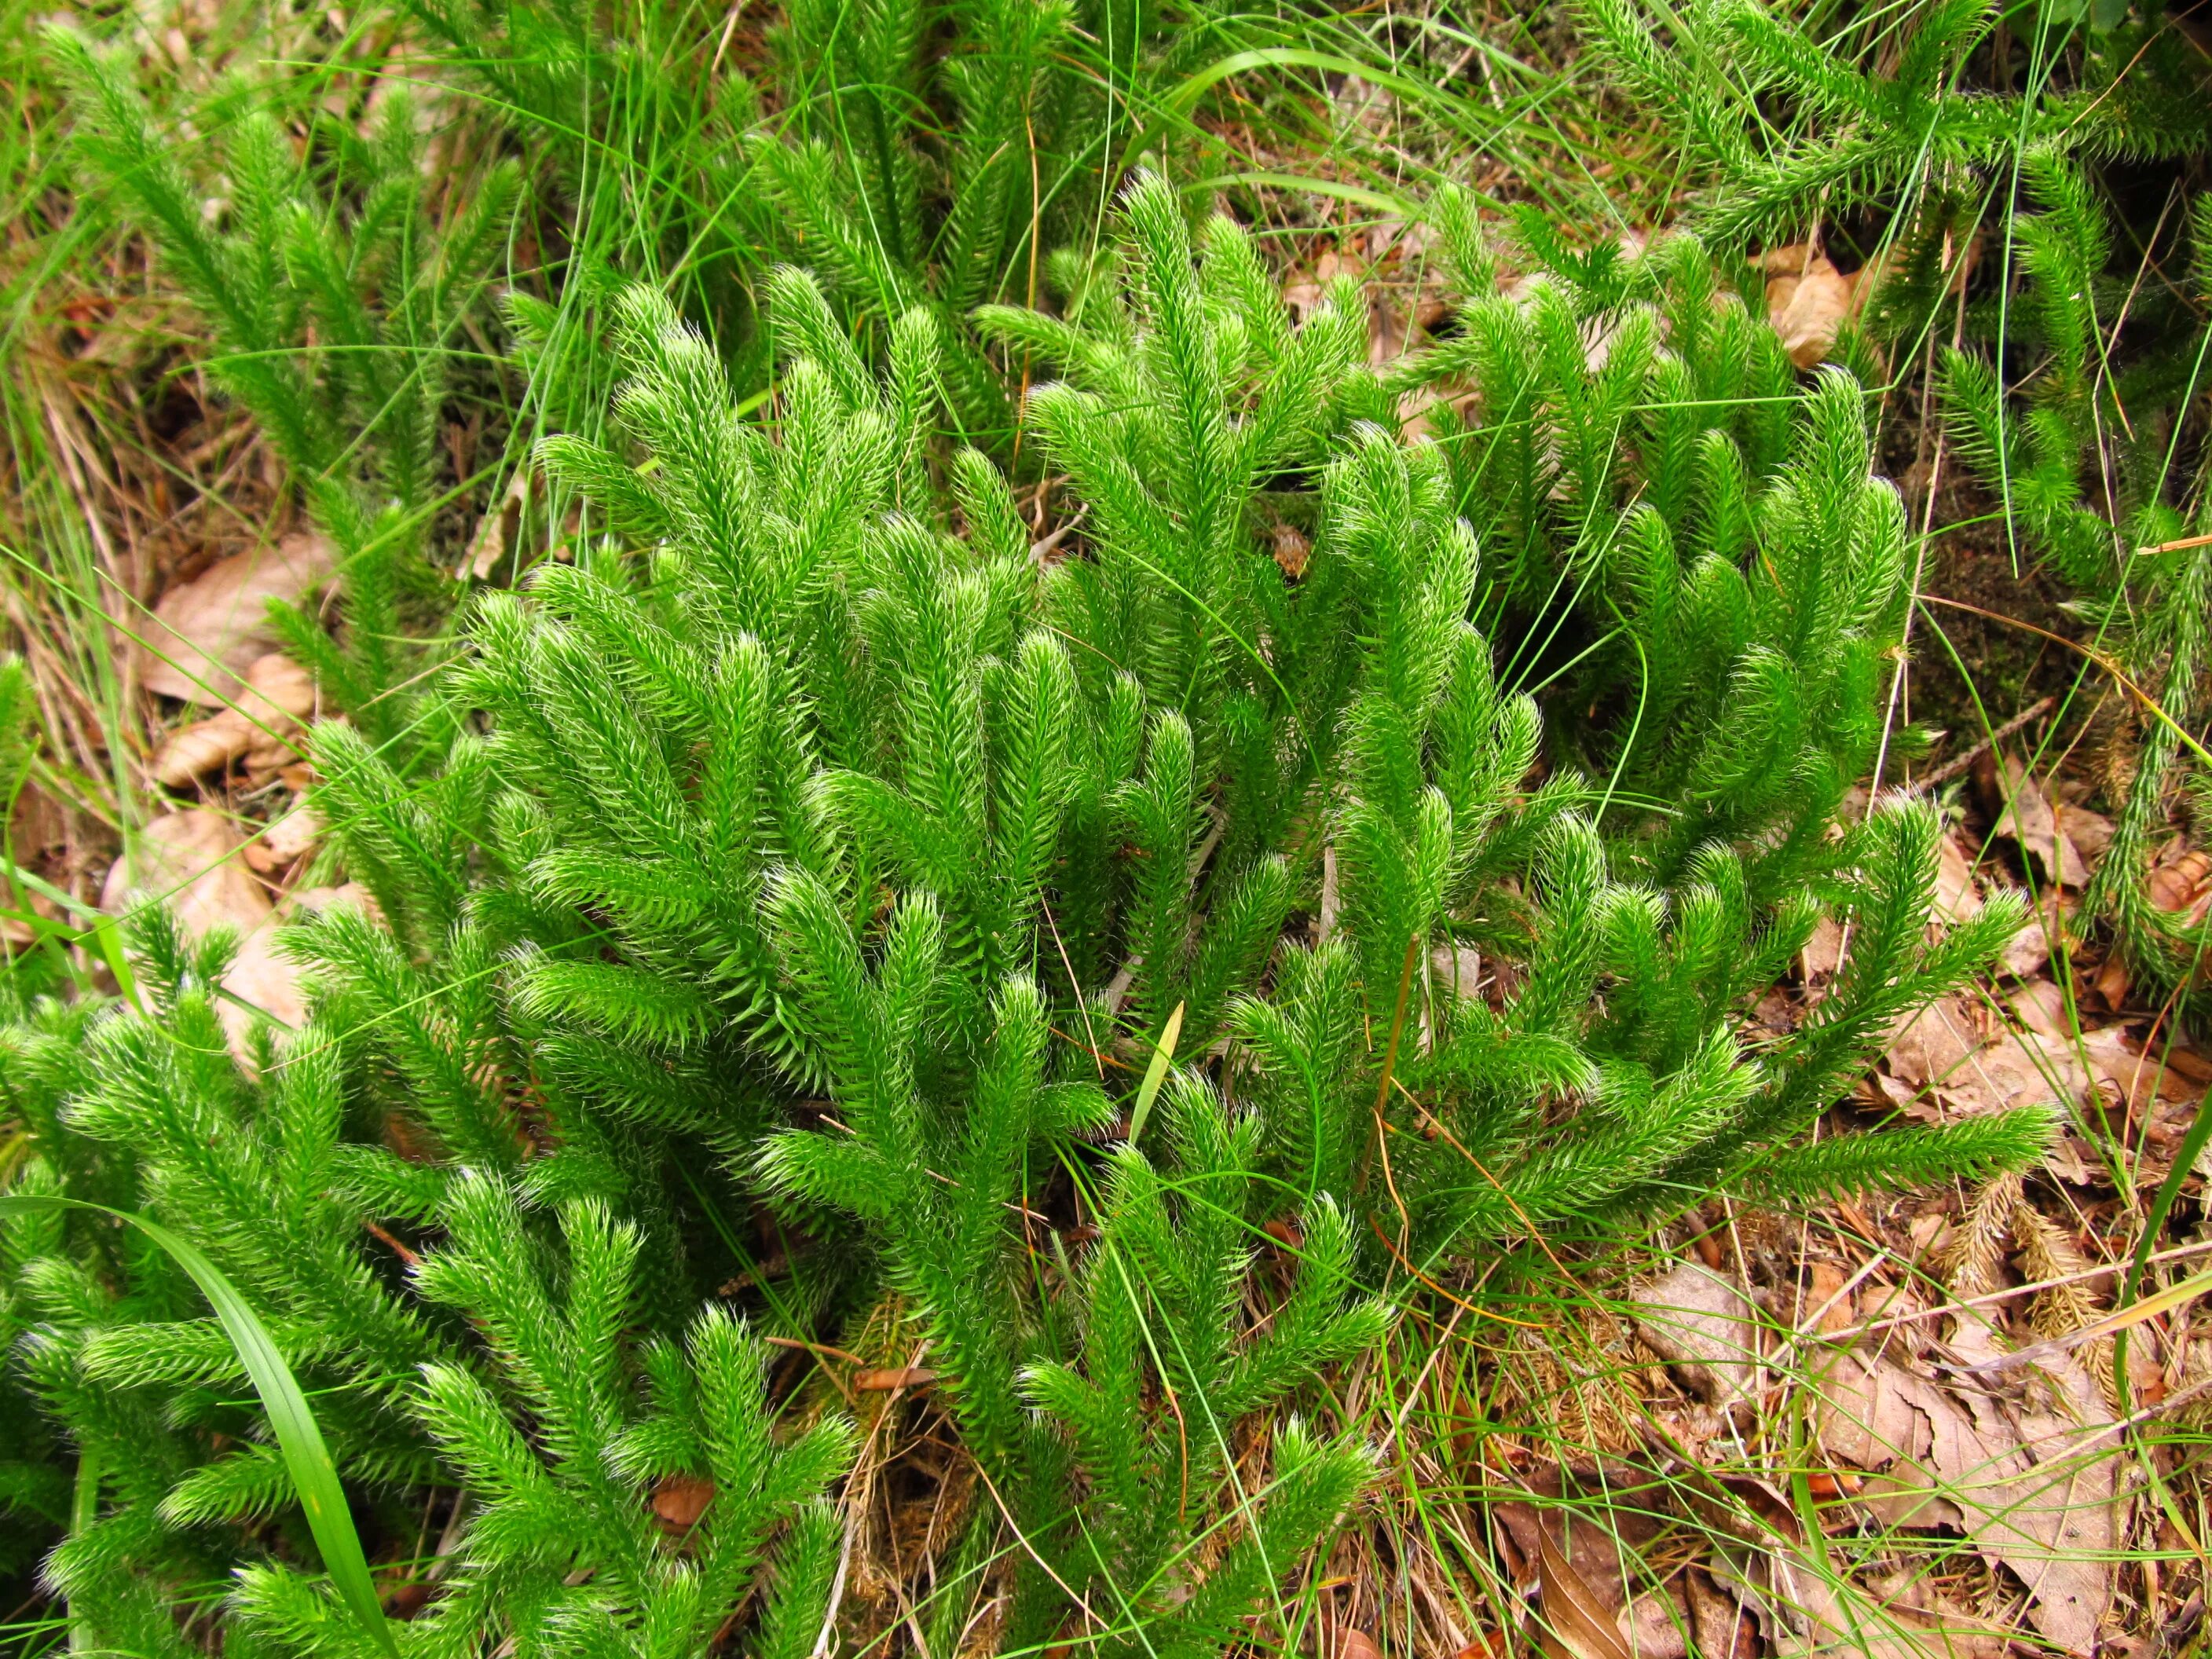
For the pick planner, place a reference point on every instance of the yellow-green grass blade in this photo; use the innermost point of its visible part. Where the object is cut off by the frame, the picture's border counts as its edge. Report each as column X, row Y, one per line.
column 1155, row 1073
column 314, row 1476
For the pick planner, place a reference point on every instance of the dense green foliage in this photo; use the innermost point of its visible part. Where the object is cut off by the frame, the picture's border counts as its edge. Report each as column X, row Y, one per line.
column 967, row 634
column 334, row 305
column 2116, row 503
column 2063, row 159
column 807, row 838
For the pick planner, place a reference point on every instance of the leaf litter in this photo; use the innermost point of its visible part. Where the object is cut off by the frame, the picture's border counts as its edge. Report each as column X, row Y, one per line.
column 1935, row 1389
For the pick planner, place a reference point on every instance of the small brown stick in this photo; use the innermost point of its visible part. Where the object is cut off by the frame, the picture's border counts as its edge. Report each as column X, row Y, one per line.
column 1965, row 757
column 2176, row 547
column 817, row 1349
column 393, row 1244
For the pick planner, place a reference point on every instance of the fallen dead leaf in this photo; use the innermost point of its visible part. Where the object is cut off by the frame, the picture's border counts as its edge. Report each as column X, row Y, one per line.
column 2090, row 832
column 263, row 979
column 2029, row 818
column 1957, row 897
column 1812, row 311
column 2041, row 936
column 1822, row 958
column 1720, row 1621
column 189, row 860
column 1825, row 1298
column 1345, row 1641
column 2126, row 1074
column 1305, row 294
column 2180, row 883
column 1577, row 1621
column 496, row 532
column 1808, row 302
column 276, row 697
column 1807, row 1611
column 1702, row 1324
column 205, row 633
column 1880, row 1419
column 1974, row 1064
column 680, row 1499
column 286, row 840
column 2032, row 1485
column 2040, row 1006
column 2045, row 1504
column 2112, row 982
column 2191, row 1063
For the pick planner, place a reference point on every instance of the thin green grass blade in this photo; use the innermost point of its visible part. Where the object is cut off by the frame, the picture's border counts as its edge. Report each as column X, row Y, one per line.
column 100, row 933
column 1175, row 107
column 1155, row 1073
column 314, row 1476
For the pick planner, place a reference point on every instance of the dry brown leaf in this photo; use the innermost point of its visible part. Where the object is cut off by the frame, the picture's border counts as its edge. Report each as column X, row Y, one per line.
column 1822, row 958
column 2040, row 1006
column 1808, row 306
column 680, row 1499
column 2126, row 1073
column 1586, row 1565
column 2181, row 883
column 1807, row 1613
column 276, row 697
column 316, row 900
column 2090, row 832
column 1415, row 425
column 2040, row 1491
column 2029, row 818
column 192, row 858
column 286, row 840
column 1824, row 1298
column 1340, row 1640
column 1577, row 1624
column 281, row 696
column 2112, row 982
column 1702, row 1324
column 1720, row 1621
column 205, row 633
column 1387, row 323
column 2034, row 1490
column 498, row 528
column 2191, row 1063
column 1657, row 1627
column 1876, row 1417
column 188, row 859
column 1957, row 897
column 208, row 745
column 1975, row 1065
column 266, row 980
column 1304, row 294
column 2044, row 933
